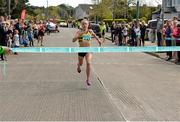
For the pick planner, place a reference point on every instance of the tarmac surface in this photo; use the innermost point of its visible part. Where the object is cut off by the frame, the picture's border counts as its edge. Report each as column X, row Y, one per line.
column 125, row 86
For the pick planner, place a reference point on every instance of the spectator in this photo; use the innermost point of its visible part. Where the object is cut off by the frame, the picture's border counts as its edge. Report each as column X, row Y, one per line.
column 120, row 36
column 41, row 33
column 138, row 33
column 113, row 31
column 133, row 35
column 3, row 51
column 9, row 40
column 143, row 33
column 125, row 34
column 107, row 27
column 159, row 31
column 174, row 26
column 3, row 36
column 16, row 43
column 168, row 38
column 177, row 36
column 35, row 31
column 48, row 28
column 102, row 30
column 30, row 35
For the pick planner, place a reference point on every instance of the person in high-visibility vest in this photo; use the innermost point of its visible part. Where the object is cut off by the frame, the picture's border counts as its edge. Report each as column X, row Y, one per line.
column 102, row 30
column 3, row 51
column 78, row 25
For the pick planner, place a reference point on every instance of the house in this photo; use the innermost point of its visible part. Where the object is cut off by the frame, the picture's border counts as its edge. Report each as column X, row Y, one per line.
column 171, row 9
column 82, row 11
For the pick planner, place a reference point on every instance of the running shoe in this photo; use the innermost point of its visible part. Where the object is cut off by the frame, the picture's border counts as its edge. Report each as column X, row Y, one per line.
column 88, row 82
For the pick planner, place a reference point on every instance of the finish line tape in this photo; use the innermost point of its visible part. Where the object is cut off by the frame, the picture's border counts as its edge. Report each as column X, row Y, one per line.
column 95, row 49
column 171, row 39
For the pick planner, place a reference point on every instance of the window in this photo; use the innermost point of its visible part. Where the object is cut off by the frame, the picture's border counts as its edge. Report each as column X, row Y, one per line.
column 177, row 2
column 168, row 3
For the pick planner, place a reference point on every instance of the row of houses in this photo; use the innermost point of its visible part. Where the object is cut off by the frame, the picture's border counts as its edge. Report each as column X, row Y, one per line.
column 171, row 9
column 83, row 11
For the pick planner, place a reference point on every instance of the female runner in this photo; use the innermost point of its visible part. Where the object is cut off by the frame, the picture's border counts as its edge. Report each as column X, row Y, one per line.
column 84, row 37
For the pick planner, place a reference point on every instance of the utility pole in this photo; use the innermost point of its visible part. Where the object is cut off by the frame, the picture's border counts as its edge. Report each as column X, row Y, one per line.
column 9, row 7
column 97, row 3
column 47, row 9
column 162, row 12
column 113, row 16
column 137, row 11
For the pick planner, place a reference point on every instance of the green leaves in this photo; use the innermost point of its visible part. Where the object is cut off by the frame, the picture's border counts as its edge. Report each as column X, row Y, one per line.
column 121, row 9
column 52, row 12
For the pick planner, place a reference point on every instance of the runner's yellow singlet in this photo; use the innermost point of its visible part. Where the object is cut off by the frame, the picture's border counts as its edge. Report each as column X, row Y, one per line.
column 85, row 37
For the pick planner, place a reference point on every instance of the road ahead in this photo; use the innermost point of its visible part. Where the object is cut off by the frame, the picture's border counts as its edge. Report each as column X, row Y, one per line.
column 126, row 86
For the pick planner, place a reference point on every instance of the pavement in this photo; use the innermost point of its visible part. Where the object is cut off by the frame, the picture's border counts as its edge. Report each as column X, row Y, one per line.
column 125, row 86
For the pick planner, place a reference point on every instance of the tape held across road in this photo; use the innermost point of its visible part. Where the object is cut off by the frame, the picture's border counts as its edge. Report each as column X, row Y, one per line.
column 95, row 49
column 173, row 39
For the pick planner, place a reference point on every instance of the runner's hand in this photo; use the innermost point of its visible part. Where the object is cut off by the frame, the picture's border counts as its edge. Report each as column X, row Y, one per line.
column 100, row 43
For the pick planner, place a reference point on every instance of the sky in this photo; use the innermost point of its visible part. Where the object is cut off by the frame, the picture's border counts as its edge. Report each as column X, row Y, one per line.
column 73, row 3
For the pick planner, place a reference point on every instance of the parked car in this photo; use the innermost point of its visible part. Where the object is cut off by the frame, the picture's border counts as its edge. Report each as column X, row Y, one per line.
column 95, row 28
column 63, row 24
column 152, row 24
column 151, row 30
column 53, row 27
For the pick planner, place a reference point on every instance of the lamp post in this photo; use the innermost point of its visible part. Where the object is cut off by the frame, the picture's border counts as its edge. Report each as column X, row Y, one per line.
column 47, row 9
column 162, row 12
column 137, row 11
column 97, row 2
column 9, row 7
column 113, row 17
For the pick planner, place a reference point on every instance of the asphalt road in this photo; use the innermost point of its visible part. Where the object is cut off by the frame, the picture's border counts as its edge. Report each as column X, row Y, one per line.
column 125, row 86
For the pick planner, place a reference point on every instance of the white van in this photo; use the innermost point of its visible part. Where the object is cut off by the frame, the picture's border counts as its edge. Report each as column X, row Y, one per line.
column 152, row 25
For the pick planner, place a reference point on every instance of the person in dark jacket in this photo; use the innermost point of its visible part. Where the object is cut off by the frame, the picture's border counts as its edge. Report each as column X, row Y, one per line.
column 2, row 37
column 168, row 36
column 143, row 33
column 113, row 31
column 120, row 35
column 133, row 35
column 177, row 37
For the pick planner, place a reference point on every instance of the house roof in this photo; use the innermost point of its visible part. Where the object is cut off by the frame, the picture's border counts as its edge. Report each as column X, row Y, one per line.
column 85, row 7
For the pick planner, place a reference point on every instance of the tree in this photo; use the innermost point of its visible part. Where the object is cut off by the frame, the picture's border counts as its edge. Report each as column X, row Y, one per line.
column 117, row 9
column 19, row 5
column 120, row 8
column 66, row 11
column 146, row 11
column 112, row 9
column 54, row 12
column 101, row 10
column 39, row 13
column 2, row 7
